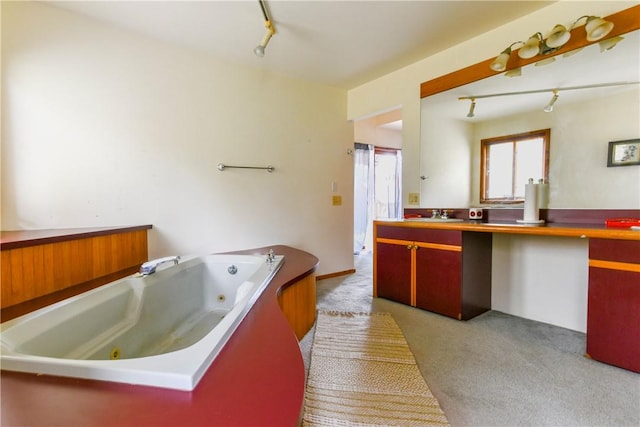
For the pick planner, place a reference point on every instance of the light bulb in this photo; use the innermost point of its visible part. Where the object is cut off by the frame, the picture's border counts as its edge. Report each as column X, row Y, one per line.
column 559, row 36
column 530, row 49
column 500, row 63
column 259, row 51
column 609, row 44
column 597, row 28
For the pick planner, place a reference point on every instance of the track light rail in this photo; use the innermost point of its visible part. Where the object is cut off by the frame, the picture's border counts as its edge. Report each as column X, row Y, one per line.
column 525, row 92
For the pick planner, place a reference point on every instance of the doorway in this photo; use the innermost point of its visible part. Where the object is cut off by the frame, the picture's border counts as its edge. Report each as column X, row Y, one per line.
column 377, row 191
column 377, row 175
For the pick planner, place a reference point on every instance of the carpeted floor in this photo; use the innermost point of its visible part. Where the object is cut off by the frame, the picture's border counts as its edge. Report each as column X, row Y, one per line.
column 497, row 369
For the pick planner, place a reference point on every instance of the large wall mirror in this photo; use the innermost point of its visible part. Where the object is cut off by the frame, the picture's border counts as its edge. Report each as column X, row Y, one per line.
column 598, row 101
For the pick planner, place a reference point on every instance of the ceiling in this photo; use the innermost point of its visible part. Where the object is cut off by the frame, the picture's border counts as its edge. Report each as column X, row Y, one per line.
column 337, row 43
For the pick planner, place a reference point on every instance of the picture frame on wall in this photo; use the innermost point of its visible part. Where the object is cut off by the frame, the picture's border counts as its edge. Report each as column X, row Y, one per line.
column 624, row 153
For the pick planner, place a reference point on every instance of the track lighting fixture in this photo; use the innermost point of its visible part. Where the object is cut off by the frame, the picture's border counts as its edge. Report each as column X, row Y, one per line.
column 554, row 98
column 596, row 28
column 472, row 108
column 555, row 91
column 270, row 31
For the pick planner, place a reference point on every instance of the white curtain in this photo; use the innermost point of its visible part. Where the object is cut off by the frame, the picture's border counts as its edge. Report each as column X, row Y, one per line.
column 399, row 211
column 363, row 193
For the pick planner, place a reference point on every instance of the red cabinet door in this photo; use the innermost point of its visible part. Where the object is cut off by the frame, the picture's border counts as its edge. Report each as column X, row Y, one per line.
column 439, row 281
column 393, row 275
column 613, row 317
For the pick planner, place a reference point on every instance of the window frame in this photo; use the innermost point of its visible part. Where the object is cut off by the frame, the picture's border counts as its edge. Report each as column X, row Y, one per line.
column 545, row 134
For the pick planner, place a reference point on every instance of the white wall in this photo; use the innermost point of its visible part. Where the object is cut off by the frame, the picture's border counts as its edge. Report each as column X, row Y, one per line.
column 541, row 278
column 102, row 126
column 445, row 161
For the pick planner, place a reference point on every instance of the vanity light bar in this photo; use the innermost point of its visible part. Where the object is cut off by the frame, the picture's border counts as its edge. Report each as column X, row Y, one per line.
column 596, row 28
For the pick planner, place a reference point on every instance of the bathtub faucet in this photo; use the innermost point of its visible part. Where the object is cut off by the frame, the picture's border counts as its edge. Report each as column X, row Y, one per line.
column 271, row 257
column 149, row 267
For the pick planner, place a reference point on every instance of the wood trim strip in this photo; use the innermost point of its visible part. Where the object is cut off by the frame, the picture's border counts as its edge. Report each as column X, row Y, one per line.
column 548, row 229
column 336, row 274
column 375, row 260
column 413, row 285
column 613, row 265
column 439, row 246
column 24, row 238
column 394, row 241
column 624, row 22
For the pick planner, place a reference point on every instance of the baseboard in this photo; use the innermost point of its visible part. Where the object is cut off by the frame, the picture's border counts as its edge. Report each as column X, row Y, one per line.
column 336, row 274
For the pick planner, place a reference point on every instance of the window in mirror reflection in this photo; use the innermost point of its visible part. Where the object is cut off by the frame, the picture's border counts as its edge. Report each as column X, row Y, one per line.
column 507, row 163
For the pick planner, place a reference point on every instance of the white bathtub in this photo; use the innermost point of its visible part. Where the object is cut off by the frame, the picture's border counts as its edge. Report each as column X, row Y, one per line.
column 160, row 330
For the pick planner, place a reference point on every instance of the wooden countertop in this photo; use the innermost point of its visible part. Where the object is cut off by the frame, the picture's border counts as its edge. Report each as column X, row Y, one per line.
column 25, row 238
column 258, row 378
column 511, row 227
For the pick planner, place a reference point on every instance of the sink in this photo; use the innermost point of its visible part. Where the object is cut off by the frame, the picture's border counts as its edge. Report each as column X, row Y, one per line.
column 434, row 219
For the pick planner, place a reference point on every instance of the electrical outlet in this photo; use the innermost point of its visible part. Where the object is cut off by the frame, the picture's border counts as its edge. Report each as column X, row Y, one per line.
column 336, row 200
column 414, row 198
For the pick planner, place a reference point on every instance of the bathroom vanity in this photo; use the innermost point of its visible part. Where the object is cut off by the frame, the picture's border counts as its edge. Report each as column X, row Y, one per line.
column 444, row 271
column 445, row 267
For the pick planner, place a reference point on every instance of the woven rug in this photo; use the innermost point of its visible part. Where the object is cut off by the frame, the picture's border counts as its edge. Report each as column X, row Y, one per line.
column 362, row 373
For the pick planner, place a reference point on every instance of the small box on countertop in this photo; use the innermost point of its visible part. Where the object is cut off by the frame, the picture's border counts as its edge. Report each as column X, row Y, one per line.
column 475, row 213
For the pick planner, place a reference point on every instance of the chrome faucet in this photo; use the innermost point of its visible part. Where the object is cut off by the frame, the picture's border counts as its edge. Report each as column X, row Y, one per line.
column 271, row 257
column 149, row 267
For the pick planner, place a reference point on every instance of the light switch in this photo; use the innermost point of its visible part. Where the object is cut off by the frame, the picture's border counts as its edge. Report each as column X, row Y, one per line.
column 414, row 198
column 337, row 200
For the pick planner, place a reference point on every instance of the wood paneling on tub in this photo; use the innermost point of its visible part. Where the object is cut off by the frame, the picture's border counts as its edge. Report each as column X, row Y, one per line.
column 298, row 303
column 32, row 271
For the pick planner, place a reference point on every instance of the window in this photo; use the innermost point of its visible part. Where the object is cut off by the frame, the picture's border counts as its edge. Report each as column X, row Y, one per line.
column 507, row 163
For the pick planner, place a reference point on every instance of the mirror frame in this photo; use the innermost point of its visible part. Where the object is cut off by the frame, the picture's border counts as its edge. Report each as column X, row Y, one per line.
column 624, row 22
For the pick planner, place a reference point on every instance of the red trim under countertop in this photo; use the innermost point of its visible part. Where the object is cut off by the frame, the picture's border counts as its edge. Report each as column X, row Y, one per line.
column 14, row 239
column 257, row 380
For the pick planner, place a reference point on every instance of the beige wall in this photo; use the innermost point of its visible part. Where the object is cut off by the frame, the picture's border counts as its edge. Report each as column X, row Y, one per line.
column 102, row 126
column 371, row 130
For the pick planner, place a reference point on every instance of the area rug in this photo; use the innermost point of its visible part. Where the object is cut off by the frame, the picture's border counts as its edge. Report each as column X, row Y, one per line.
column 362, row 373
